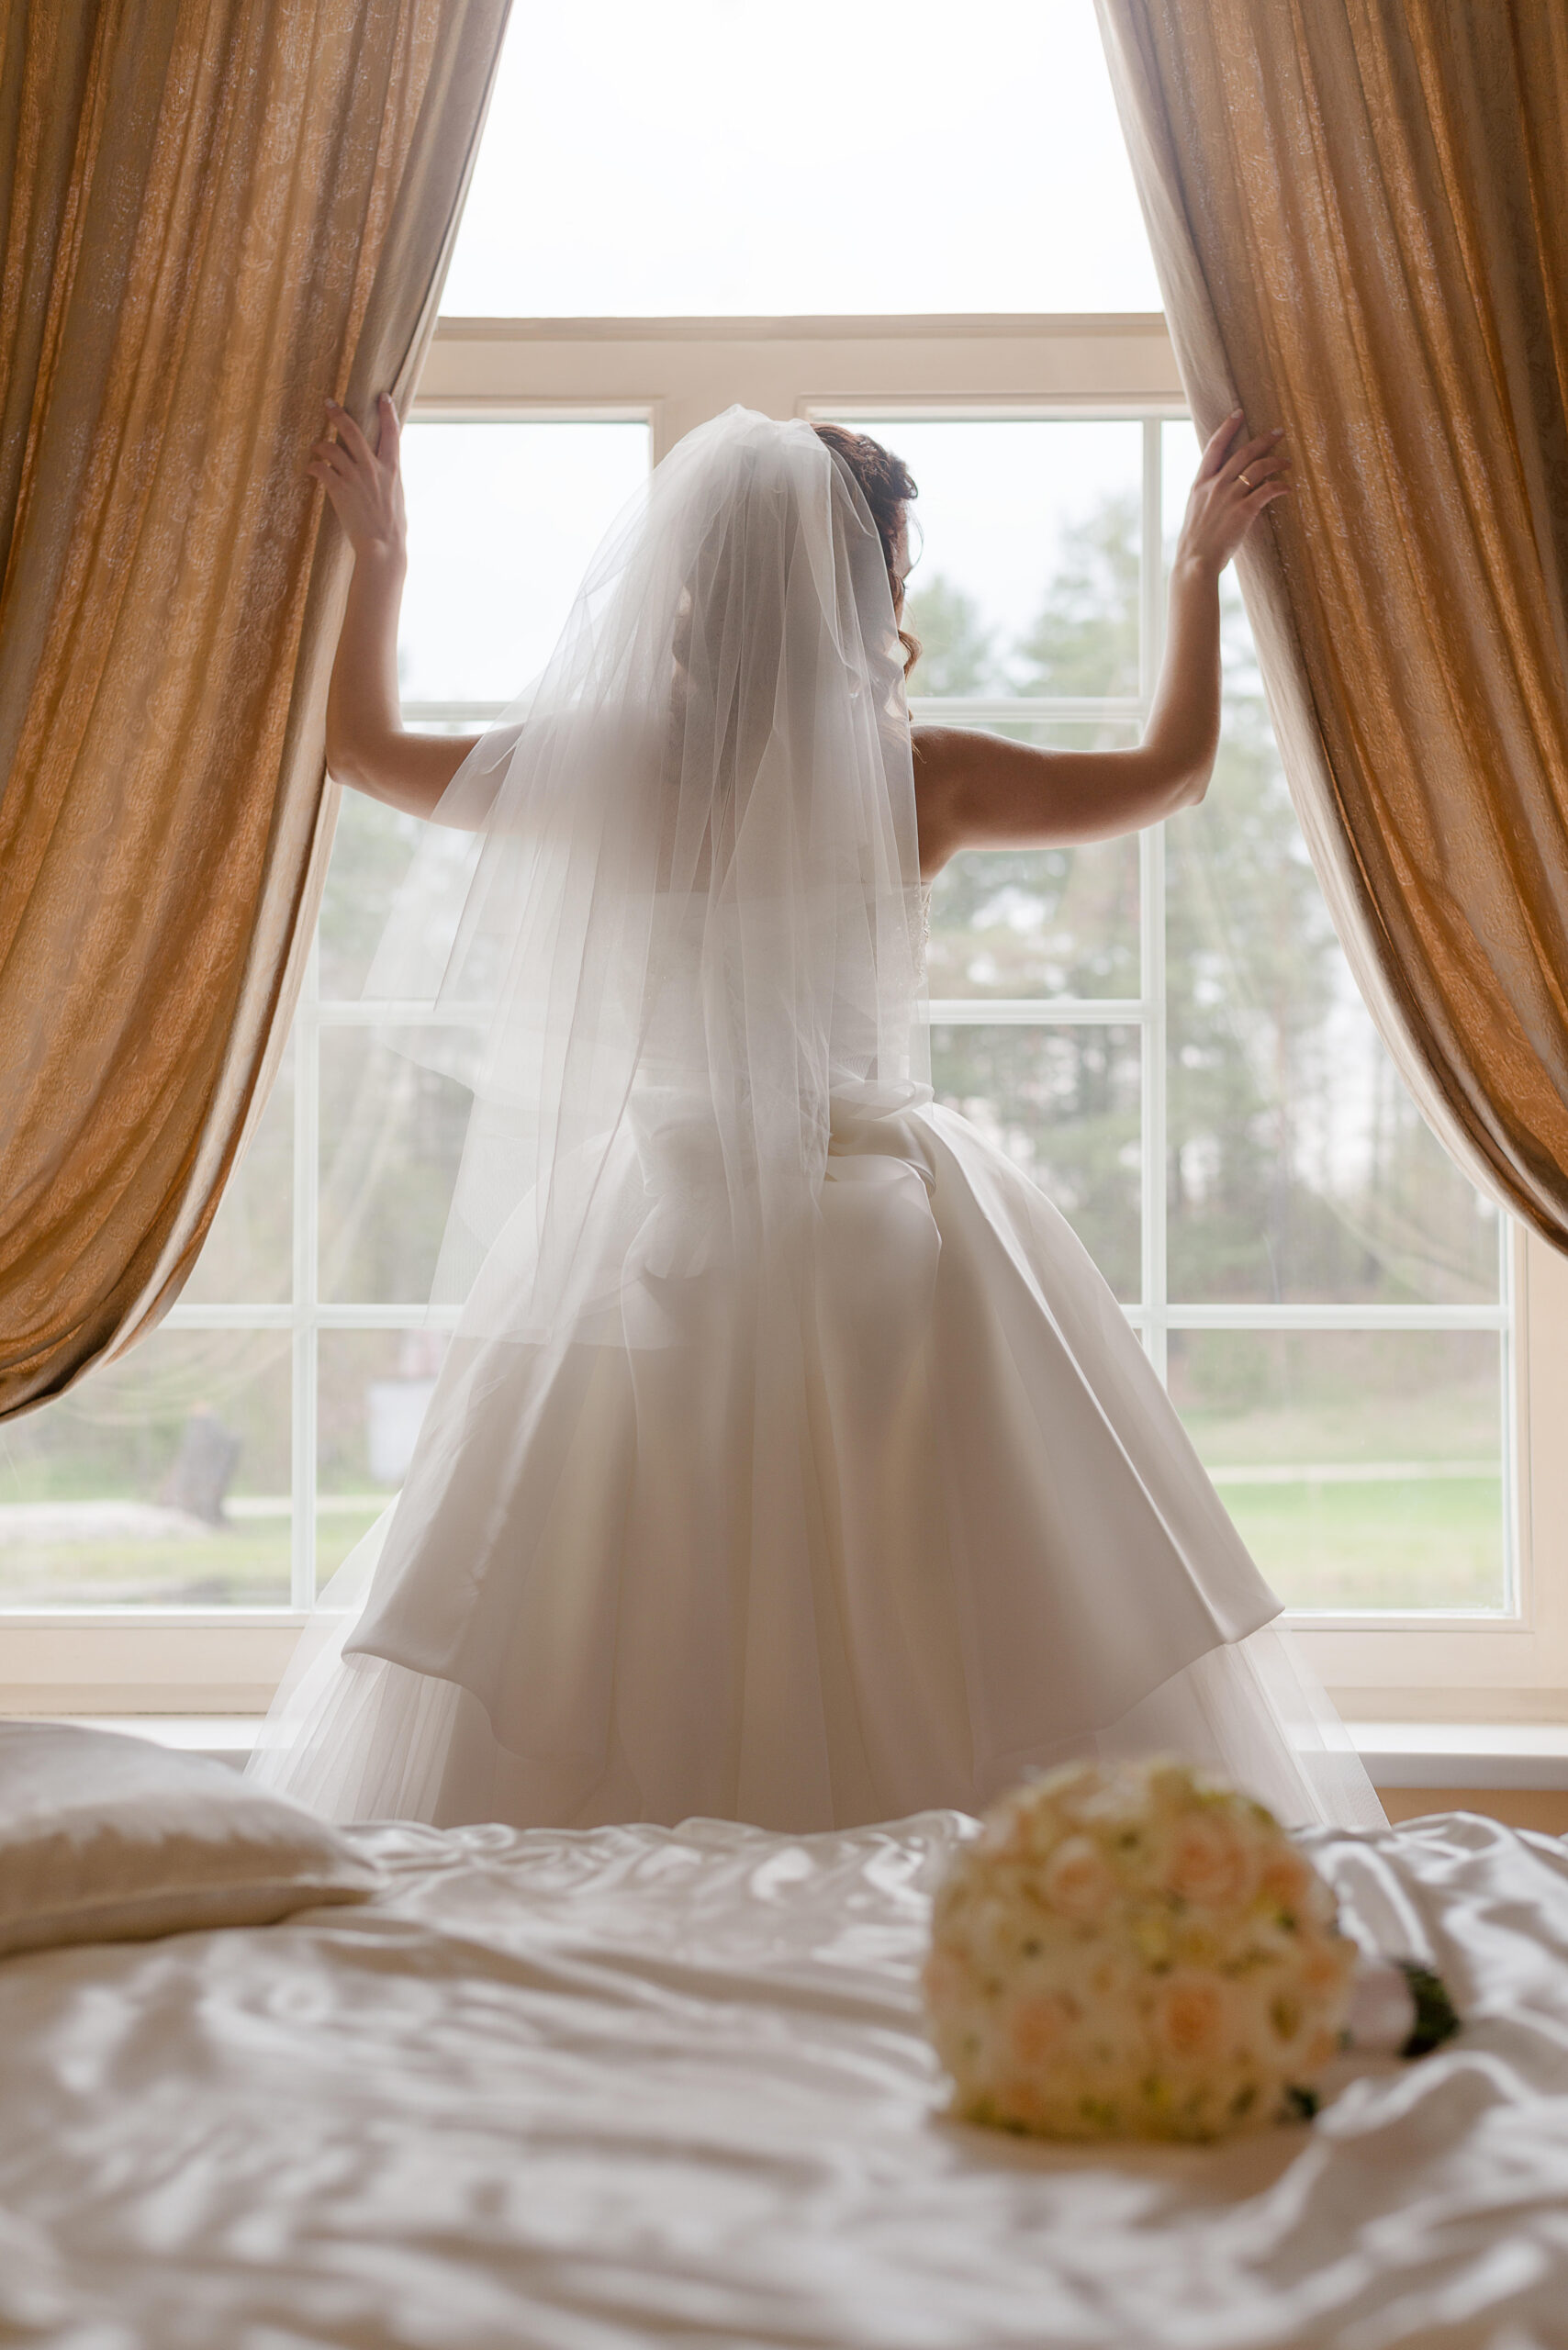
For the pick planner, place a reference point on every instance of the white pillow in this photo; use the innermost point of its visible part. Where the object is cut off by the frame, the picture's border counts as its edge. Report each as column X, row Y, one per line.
column 108, row 1839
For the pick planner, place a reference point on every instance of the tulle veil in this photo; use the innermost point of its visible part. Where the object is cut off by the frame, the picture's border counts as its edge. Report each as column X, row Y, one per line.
column 692, row 920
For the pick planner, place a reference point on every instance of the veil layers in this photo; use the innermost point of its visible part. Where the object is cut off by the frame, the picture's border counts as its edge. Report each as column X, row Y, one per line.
column 695, row 917
column 790, row 1462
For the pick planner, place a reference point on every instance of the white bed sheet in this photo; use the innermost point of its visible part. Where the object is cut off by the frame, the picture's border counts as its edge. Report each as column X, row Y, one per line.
column 590, row 2091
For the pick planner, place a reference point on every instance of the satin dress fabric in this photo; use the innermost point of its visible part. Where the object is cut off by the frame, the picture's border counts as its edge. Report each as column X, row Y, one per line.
column 996, row 1549
column 588, row 2092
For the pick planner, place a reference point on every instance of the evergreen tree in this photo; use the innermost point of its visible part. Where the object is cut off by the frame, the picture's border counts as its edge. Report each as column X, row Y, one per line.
column 957, row 651
column 1086, row 640
column 1297, row 1167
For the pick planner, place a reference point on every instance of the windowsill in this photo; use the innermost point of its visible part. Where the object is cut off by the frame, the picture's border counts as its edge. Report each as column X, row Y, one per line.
column 1468, row 1754
column 222, row 1737
column 1397, row 1755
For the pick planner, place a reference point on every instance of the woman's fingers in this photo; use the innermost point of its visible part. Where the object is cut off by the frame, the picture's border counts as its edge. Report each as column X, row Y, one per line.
column 330, row 481
column 388, row 436
column 1218, row 445
column 1252, row 455
column 1250, row 461
column 1240, row 474
column 350, row 435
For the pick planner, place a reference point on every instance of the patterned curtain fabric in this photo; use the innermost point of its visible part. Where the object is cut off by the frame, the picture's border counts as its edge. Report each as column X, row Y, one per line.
column 213, row 214
column 1359, row 214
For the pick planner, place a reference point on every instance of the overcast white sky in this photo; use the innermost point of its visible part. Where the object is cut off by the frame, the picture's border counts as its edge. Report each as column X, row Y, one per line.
column 706, row 156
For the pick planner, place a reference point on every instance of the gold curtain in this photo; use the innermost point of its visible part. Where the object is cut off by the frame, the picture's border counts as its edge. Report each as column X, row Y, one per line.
column 1359, row 214
column 213, row 214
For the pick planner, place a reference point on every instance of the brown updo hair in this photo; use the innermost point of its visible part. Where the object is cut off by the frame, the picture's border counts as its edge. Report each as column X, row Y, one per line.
column 887, row 486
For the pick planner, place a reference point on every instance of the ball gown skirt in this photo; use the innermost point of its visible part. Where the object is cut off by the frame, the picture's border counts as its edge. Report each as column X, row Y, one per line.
column 878, row 1545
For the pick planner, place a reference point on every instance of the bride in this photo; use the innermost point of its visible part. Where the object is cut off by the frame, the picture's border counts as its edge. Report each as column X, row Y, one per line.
column 790, row 1462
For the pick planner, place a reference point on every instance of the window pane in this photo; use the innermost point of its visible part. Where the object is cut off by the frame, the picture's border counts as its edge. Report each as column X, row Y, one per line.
column 503, row 517
column 1037, row 922
column 163, row 1478
column 1179, row 454
column 503, row 520
column 391, row 1137
column 1063, row 1104
column 1026, row 571
column 713, row 156
column 1299, row 1168
column 247, row 1257
column 1363, row 1468
column 371, row 851
column 374, row 1387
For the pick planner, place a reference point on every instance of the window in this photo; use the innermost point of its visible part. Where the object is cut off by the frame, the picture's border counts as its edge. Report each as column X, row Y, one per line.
column 1161, row 1032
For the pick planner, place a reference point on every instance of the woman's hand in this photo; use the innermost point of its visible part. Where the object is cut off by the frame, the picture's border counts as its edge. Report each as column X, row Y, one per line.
column 972, row 791
column 367, row 743
column 364, row 484
column 1237, row 478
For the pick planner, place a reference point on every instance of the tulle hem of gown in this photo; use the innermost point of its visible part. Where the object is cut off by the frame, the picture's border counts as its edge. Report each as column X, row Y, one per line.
column 361, row 1737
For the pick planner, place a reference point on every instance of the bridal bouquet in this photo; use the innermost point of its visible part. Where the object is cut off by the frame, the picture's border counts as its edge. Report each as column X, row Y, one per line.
column 1134, row 1953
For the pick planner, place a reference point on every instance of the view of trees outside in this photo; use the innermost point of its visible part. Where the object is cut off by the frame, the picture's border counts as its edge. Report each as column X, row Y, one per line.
column 1299, row 1168
column 1363, row 1466
column 93, row 1506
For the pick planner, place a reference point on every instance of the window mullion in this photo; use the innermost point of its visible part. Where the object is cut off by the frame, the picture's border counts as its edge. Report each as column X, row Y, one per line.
column 306, row 1175
column 1513, row 1456
column 1152, row 924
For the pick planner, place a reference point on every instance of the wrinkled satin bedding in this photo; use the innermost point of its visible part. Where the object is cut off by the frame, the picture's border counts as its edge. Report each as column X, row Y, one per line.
column 583, row 2091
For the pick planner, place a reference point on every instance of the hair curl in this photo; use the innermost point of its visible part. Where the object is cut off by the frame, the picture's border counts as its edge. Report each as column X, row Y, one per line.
column 887, row 485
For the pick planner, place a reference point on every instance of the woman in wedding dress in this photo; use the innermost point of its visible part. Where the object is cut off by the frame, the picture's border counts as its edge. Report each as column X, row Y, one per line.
column 790, row 1462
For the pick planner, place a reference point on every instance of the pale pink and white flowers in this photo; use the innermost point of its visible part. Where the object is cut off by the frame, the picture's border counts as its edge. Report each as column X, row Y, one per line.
column 1134, row 1951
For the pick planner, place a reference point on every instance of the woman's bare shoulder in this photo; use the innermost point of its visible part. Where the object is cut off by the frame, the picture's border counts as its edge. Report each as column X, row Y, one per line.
column 967, row 790
column 979, row 790
column 942, row 761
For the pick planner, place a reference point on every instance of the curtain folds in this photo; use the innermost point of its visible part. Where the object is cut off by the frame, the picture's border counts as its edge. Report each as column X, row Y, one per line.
column 213, row 215
column 1359, row 211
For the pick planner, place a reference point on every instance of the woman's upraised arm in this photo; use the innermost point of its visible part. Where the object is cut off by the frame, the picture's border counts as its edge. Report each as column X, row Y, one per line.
column 975, row 790
column 367, row 744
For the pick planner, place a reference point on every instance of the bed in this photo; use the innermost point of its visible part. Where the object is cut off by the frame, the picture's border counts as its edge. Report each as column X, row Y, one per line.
column 586, row 2091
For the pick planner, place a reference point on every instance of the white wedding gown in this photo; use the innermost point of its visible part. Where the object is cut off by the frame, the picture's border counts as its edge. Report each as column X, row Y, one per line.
column 829, row 1509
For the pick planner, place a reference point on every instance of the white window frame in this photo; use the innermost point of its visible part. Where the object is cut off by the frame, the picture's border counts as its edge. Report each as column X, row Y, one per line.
column 1507, row 1664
